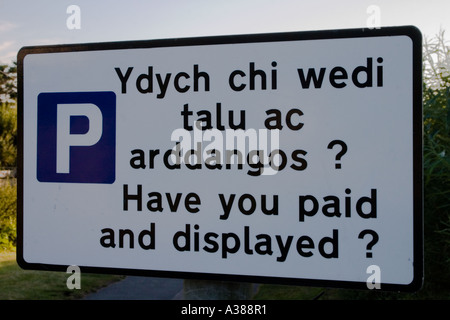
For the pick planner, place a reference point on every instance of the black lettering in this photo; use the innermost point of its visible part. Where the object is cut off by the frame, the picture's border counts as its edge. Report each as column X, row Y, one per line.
column 255, row 164
column 253, row 74
column 231, row 80
column 283, row 162
column 176, row 82
column 197, row 76
column 284, row 247
column 173, row 204
column 229, row 154
column 213, row 162
column 124, row 78
column 306, row 81
column 274, row 76
column 168, row 154
column 192, row 199
column 289, row 120
column 163, row 85
column 334, row 253
column 206, row 120
column 265, row 210
column 214, row 245
column 276, row 119
column 247, row 248
column 338, row 73
column 305, row 242
column 107, row 240
column 331, row 209
column 380, row 73
column 372, row 201
column 147, row 233
column 149, row 78
column 127, row 197
column 297, row 158
column 155, row 202
column 226, row 206
column 186, row 113
column 302, row 209
column 122, row 233
column 363, row 69
column 226, row 249
column 231, row 123
column 138, row 161
column 152, row 155
column 187, row 239
column 265, row 246
column 219, row 124
column 252, row 200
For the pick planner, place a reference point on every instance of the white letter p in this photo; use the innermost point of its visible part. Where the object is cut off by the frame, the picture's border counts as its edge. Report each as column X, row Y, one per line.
column 64, row 139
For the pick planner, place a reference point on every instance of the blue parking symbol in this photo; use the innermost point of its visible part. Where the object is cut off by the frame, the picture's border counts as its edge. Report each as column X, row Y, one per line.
column 76, row 137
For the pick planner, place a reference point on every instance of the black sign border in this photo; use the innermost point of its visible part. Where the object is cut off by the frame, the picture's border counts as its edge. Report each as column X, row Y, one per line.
column 410, row 31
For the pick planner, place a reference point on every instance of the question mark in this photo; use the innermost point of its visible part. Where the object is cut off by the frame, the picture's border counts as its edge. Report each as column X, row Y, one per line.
column 370, row 245
column 340, row 153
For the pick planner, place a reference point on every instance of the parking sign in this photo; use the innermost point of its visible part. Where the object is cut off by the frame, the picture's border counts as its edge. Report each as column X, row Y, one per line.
column 289, row 158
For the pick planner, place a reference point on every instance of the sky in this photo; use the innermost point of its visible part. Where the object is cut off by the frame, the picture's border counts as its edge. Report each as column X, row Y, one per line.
column 43, row 22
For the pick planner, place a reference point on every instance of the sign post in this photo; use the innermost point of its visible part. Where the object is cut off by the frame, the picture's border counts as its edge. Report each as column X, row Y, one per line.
column 290, row 158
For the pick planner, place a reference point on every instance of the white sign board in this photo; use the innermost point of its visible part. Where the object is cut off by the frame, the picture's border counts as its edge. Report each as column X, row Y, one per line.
column 291, row 158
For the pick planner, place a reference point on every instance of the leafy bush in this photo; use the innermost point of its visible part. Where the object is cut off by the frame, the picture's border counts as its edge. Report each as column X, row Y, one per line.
column 8, row 209
column 436, row 120
column 8, row 135
column 8, row 154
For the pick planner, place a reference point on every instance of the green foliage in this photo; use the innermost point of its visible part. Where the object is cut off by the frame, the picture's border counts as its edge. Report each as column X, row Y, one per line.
column 8, row 154
column 19, row 284
column 8, row 135
column 8, row 82
column 8, row 209
column 436, row 155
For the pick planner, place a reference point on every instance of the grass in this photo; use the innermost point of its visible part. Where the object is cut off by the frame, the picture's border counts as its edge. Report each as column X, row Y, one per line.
column 285, row 292
column 19, row 284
